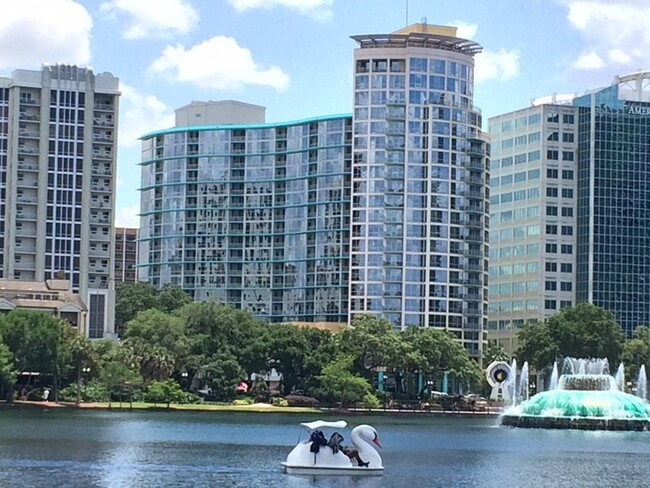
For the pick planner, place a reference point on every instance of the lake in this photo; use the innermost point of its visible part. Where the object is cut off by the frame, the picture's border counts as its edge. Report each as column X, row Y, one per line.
column 57, row 448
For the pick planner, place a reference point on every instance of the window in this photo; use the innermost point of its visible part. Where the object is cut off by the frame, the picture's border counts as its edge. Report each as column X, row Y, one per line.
column 533, row 174
column 567, row 155
column 550, row 304
column 567, row 230
column 567, row 192
column 565, row 303
column 552, row 248
column 566, row 286
column 551, row 229
column 552, row 136
column 566, row 267
column 551, row 173
column 552, row 117
column 552, row 154
column 519, row 177
column 533, row 156
column 568, row 119
column 534, row 119
column 568, row 137
column 550, row 286
column 567, row 249
column 567, row 211
column 551, row 267
column 551, row 192
column 551, row 210
column 533, row 137
column 567, row 174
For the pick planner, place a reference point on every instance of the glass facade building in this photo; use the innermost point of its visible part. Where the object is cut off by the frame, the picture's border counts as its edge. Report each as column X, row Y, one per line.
column 253, row 215
column 419, row 192
column 613, row 269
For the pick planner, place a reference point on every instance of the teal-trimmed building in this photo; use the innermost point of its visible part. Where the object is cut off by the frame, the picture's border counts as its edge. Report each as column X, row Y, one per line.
column 247, row 213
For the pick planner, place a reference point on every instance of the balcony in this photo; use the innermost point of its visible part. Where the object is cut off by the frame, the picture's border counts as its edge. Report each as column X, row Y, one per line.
column 29, row 101
column 104, row 106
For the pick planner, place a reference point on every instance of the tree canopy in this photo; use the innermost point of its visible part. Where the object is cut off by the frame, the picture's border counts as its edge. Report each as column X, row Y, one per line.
column 584, row 331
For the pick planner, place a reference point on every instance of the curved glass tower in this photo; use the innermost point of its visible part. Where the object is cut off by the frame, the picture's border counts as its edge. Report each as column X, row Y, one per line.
column 419, row 194
column 252, row 215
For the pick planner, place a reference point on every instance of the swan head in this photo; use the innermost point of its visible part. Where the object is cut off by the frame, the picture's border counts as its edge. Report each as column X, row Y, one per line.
column 369, row 433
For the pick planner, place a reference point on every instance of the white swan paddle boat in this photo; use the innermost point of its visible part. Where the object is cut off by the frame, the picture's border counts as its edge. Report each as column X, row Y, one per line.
column 329, row 459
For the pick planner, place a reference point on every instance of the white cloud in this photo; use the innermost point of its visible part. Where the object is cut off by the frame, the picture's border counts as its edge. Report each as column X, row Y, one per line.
column 139, row 114
column 618, row 56
column 590, row 60
column 501, row 65
column 613, row 30
column 127, row 216
column 218, row 63
column 317, row 9
column 465, row 30
column 33, row 32
column 152, row 18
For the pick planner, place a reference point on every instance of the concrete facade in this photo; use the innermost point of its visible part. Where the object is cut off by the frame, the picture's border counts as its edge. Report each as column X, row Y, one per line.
column 58, row 129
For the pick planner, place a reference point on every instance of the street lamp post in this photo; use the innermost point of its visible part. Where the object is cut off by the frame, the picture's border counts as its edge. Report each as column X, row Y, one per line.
column 184, row 375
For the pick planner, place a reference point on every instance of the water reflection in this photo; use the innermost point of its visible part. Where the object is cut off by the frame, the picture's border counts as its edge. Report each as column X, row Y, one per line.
column 124, row 450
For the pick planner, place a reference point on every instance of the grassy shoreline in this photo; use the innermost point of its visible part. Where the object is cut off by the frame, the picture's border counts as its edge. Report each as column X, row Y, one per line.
column 253, row 408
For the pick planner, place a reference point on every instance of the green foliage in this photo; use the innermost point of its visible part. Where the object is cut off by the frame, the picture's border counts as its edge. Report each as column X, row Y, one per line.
column 371, row 401
column 133, row 298
column 340, row 384
column 165, row 392
column 243, row 401
column 91, row 392
column 495, row 352
column 636, row 351
column 583, row 331
column 7, row 370
column 371, row 342
column 280, row 402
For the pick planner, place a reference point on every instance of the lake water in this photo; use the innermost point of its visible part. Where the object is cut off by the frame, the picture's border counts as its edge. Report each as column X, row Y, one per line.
column 54, row 448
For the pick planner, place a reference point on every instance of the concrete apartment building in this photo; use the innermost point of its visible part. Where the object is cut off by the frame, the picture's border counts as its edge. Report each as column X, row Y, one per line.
column 126, row 254
column 584, row 236
column 58, row 130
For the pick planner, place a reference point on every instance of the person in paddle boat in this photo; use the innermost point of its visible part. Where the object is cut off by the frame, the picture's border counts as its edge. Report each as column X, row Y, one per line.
column 335, row 444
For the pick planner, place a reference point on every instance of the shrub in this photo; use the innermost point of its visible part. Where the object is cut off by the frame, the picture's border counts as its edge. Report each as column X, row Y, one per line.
column 300, row 401
column 35, row 394
column 370, row 401
column 243, row 401
column 280, row 402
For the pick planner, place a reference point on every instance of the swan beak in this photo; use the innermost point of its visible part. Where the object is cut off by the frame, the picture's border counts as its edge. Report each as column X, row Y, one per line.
column 376, row 441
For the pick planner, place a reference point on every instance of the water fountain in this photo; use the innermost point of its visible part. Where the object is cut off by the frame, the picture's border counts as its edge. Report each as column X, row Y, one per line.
column 585, row 396
column 554, row 377
column 642, row 384
column 513, row 381
column 523, row 382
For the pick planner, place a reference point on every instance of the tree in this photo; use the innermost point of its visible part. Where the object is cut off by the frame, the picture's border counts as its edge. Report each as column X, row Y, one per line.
column 495, row 352
column 636, row 351
column 80, row 355
column 157, row 343
column 172, row 297
column 7, row 372
column 585, row 331
column 36, row 342
column 130, row 299
column 372, row 342
column 338, row 382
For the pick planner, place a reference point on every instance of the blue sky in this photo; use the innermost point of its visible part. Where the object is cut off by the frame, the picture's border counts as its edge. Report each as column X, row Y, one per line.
column 295, row 56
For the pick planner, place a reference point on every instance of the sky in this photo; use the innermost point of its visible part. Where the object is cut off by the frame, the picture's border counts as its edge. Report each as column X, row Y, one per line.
column 295, row 56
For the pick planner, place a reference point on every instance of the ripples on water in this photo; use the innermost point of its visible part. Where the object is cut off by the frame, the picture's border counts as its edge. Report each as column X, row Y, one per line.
column 124, row 450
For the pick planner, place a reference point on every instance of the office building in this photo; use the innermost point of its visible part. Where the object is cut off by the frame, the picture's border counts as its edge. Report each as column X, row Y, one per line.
column 533, row 198
column 419, row 201
column 57, row 167
column 579, row 230
column 126, row 254
column 250, row 214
